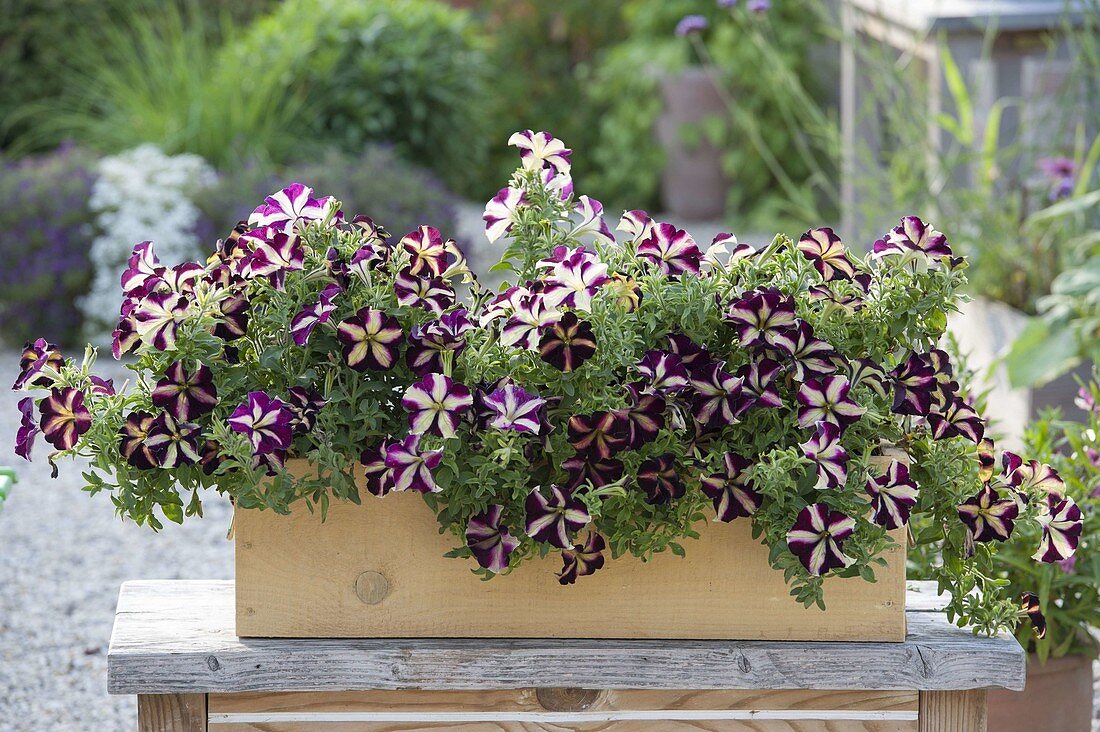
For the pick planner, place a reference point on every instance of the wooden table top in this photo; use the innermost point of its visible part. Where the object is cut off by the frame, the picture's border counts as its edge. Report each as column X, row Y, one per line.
column 177, row 637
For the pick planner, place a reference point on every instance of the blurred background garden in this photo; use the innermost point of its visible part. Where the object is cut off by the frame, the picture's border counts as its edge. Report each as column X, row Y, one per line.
column 127, row 120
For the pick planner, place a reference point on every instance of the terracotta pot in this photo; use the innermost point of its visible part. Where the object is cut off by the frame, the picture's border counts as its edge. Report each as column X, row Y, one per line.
column 693, row 186
column 1057, row 698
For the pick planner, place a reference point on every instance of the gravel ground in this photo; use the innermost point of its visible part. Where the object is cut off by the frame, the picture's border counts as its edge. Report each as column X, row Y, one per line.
column 64, row 555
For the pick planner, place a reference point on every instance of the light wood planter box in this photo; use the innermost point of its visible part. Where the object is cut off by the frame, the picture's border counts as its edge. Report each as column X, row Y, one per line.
column 377, row 570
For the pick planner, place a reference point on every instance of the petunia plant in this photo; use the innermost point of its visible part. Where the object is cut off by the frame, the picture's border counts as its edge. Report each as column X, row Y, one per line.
column 617, row 391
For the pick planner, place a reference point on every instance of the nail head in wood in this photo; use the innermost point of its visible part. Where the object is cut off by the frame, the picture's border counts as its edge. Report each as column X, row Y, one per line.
column 372, row 587
column 568, row 699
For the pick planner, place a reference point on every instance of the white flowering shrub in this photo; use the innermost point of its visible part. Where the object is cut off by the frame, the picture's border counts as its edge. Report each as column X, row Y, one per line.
column 141, row 194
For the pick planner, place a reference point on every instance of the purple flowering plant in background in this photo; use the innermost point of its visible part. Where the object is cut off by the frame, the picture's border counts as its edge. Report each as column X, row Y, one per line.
column 619, row 390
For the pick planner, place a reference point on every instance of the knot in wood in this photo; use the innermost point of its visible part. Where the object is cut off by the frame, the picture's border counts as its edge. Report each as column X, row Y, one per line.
column 568, row 699
column 372, row 587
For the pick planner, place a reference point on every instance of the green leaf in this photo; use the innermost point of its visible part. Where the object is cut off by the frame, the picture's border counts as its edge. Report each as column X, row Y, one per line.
column 1041, row 353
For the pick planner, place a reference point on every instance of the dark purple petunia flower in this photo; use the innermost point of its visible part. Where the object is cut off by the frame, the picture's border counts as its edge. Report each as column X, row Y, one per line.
column 371, row 340
column 313, row 315
column 597, row 472
column 865, row 372
column 582, row 560
column 490, row 542
column 552, row 520
column 379, row 475
column 664, row 372
column 914, row 385
column 412, row 467
column 1062, row 523
column 28, row 429
column 823, row 248
column 427, row 253
column 173, row 443
column 691, row 353
column 893, row 495
column 306, row 405
column 157, row 317
column 210, row 458
column 132, row 443
column 186, row 395
column 101, row 386
column 827, row 400
column 717, row 400
column 36, row 356
column 429, row 342
column 758, row 380
column 760, row 317
column 644, row 417
column 810, row 356
column 672, row 251
column 430, row 293
column 830, row 458
column 731, row 492
column 513, row 408
column 599, row 435
column 1030, row 607
column 987, row 459
column 265, row 421
column 987, row 516
column 436, row 403
column 658, row 479
column 64, row 418
column 817, row 538
column 956, row 419
column 124, row 338
column 568, row 343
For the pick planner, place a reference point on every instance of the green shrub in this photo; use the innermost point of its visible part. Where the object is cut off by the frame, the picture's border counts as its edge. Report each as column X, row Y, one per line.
column 407, row 72
column 48, row 227
column 377, row 183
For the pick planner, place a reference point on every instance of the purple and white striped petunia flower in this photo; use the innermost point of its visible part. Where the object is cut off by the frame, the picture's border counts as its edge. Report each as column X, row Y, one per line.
column 582, row 560
column 987, row 459
column 599, row 435
column 717, row 401
column 645, row 417
column 987, row 516
column 1062, row 523
column 830, row 458
column 664, row 372
column 142, row 266
column 64, row 418
column 428, row 343
column 591, row 223
column 157, row 317
column 412, row 467
column 513, row 408
column 186, row 394
column 809, row 355
column 568, row 343
column 1032, row 609
column 284, row 209
column 538, row 150
column 173, row 443
column 552, row 519
column 427, row 251
column 865, row 372
column 817, row 538
column 672, row 251
column 1031, row 475
column 132, row 442
column 502, row 212
column 371, row 340
column 912, row 236
column 759, row 383
column 28, row 428
column 268, row 423
column 272, row 256
column 574, row 279
column 597, row 472
column 363, row 261
column 559, row 183
column 436, row 403
column 430, row 293
column 379, row 475
column 232, row 317
column 39, row 364
column 313, row 315
column 956, row 419
column 827, row 400
column 530, row 314
column 761, row 317
column 893, row 495
column 490, row 543
column 914, row 385
column 732, row 493
column 658, row 479
column 637, row 224
column 306, row 404
column 691, row 353
column 823, row 248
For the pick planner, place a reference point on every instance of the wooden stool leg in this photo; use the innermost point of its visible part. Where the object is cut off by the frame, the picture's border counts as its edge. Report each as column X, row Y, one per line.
column 171, row 712
column 952, row 711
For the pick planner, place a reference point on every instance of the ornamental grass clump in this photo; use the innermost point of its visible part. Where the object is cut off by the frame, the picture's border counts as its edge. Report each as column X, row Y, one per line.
column 616, row 393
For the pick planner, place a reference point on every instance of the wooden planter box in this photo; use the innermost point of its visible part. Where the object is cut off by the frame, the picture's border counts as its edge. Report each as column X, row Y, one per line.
column 377, row 570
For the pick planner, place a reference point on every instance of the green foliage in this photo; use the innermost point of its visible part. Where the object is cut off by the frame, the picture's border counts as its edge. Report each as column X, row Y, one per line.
column 407, row 72
column 157, row 76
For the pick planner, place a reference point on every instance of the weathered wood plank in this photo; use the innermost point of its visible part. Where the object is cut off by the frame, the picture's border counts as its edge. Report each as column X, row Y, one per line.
column 953, row 711
column 171, row 713
column 178, row 637
column 625, row 726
